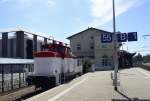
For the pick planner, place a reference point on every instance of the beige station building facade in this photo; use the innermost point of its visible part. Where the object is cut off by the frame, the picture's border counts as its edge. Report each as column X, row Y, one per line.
column 87, row 44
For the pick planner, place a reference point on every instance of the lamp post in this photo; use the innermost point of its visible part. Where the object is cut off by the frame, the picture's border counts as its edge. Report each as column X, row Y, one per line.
column 115, row 54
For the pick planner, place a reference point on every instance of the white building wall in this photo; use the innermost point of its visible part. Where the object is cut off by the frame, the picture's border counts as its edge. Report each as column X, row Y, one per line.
column 103, row 50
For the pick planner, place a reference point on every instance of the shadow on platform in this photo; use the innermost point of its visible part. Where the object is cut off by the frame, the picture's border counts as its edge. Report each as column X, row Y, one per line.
column 131, row 100
column 128, row 98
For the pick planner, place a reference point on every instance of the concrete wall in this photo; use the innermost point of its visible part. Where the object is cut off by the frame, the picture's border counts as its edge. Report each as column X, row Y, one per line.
column 20, row 44
column 5, row 44
column 39, row 43
column 11, row 52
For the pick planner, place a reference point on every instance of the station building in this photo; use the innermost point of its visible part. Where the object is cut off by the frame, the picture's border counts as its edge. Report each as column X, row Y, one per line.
column 87, row 44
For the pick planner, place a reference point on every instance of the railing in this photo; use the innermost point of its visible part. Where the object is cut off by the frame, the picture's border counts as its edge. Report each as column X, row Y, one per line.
column 13, row 76
column 7, row 85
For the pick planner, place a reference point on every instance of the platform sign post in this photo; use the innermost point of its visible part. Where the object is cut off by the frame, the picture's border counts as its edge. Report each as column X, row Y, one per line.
column 115, row 38
column 115, row 53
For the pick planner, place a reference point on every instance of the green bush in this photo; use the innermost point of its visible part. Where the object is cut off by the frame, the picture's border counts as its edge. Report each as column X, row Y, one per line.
column 87, row 64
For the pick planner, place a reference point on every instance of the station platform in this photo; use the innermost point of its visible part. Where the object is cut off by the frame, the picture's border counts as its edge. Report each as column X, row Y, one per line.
column 97, row 86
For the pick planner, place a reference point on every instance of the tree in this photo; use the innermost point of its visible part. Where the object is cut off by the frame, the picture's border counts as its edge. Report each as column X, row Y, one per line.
column 87, row 64
column 125, row 59
column 146, row 58
column 138, row 58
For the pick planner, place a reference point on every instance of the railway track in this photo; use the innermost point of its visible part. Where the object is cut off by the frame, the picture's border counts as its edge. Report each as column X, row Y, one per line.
column 20, row 94
column 29, row 95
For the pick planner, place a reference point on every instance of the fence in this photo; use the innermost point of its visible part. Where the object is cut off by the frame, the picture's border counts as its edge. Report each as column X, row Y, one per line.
column 13, row 73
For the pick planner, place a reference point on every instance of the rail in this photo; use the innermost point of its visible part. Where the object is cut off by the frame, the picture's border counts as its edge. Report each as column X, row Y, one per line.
column 17, row 93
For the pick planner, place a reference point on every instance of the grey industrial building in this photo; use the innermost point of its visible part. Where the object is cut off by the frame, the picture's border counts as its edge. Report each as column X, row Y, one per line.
column 20, row 45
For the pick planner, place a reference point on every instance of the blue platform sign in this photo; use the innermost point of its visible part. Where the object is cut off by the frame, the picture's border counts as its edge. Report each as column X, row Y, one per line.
column 106, row 38
column 122, row 37
column 132, row 36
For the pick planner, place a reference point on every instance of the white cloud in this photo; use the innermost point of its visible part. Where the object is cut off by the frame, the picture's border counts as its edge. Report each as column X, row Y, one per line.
column 50, row 3
column 101, row 10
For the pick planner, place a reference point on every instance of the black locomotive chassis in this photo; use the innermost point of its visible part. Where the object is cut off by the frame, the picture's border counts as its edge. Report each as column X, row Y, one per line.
column 45, row 82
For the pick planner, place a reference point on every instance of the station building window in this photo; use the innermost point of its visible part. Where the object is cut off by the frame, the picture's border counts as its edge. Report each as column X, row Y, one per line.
column 78, row 47
column 92, row 37
column 105, row 61
column 92, row 46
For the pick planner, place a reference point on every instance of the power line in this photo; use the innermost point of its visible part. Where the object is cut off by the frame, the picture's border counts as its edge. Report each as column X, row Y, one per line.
column 146, row 46
column 143, row 50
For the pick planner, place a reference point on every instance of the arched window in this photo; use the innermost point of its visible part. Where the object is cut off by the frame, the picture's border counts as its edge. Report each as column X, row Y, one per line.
column 105, row 60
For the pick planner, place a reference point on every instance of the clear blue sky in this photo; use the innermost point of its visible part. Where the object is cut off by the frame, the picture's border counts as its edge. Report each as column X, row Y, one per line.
column 62, row 18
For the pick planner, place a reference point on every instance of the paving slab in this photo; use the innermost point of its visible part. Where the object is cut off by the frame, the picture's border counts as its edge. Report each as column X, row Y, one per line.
column 97, row 86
